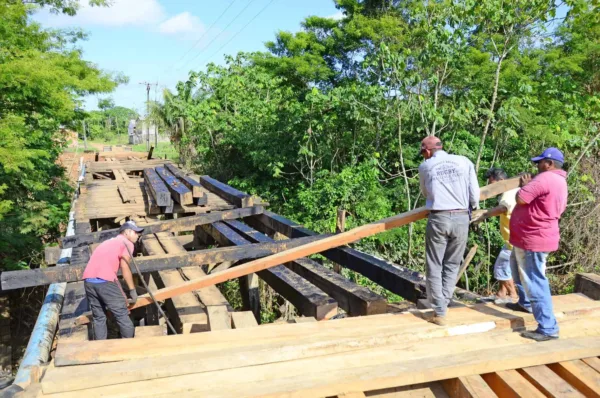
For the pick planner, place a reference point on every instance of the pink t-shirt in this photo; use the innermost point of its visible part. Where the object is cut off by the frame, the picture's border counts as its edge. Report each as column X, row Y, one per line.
column 534, row 226
column 106, row 259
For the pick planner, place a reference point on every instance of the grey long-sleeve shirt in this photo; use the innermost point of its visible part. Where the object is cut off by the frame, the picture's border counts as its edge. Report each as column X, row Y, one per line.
column 449, row 182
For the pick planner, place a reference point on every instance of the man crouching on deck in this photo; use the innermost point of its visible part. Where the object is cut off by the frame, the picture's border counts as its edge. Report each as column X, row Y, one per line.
column 102, row 287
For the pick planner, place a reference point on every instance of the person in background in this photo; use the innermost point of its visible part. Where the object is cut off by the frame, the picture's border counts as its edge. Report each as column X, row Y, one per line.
column 534, row 233
column 451, row 189
column 102, row 287
column 502, row 272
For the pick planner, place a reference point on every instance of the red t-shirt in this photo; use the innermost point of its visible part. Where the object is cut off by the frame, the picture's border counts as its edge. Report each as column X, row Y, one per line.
column 534, row 226
column 106, row 259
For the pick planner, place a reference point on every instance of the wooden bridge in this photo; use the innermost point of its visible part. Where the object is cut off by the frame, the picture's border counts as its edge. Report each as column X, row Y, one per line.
column 197, row 225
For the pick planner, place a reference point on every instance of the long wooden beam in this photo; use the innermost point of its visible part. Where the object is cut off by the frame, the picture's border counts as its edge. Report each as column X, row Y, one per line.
column 45, row 276
column 176, row 225
column 306, row 297
column 158, row 188
column 354, row 299
column 343, row 238
column 179, row 191
column 199, row 195
column 230, row 194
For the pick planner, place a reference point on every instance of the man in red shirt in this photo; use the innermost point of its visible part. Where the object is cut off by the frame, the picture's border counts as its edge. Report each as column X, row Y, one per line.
column 534, row 233
column 102, row 287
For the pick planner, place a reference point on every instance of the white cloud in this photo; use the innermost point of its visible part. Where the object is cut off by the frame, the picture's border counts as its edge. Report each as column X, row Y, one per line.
column 185, row 23
column 120, row 13
column 337, row 16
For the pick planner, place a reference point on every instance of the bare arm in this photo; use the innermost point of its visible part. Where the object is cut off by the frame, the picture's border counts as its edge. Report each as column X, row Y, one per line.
column 480, row 215
column 126, row 272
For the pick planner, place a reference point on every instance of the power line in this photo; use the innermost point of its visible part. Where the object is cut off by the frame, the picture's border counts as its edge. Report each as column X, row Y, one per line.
column 222, row 31
column 240, row 31
column 204, row 33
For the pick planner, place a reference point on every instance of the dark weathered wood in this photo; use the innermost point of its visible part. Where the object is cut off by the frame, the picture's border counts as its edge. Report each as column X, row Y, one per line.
column 354, row 299
column 230, row 194
column 151, row 206
column 157, row 188
column 179, row 192
column 178, row 225
column 73, row 273
column 309, row 299
column 51, row 255
column 83, row 227
column 150, row 153
column 199, row 195
column 124, row 194
column 75, row 304
column 588, row 284
column 404, row 282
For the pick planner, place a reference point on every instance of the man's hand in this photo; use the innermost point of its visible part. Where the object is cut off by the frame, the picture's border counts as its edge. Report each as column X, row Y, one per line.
column 478, row 216
column 524, row 180
column 134, row 297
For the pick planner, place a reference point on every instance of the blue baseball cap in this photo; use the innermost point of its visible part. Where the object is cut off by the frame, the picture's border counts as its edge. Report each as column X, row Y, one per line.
column 550, row 154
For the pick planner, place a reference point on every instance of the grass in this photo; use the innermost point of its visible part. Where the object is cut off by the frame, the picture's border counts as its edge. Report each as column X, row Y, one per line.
column 163, row 149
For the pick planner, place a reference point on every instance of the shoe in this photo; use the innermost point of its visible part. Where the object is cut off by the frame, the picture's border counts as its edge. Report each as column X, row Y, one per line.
column 539, row 337
column 488, row 299
column 438, row 320
column 503, row 300
column 517, row 307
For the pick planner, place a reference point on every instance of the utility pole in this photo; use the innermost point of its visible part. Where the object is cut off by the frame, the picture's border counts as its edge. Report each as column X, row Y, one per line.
column 148, row 85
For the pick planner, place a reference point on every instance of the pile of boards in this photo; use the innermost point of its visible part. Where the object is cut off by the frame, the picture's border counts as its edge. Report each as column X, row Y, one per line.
column 479, row 353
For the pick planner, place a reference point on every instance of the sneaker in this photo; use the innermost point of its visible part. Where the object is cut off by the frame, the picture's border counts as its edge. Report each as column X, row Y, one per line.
column 503, row 300
column 438, row 320
column 539, row 337
column 518, row 307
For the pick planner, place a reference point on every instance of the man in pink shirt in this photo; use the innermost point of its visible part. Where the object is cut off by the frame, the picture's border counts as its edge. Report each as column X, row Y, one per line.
column 102, row 287
column 534, row 233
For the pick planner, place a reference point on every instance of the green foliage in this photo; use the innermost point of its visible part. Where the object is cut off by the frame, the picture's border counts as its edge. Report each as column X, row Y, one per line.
column 332, row 116
column 109, row 123
column 42, row 80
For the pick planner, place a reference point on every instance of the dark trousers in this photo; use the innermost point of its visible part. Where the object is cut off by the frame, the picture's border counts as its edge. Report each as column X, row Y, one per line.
column 445, row 243
column 108, row 296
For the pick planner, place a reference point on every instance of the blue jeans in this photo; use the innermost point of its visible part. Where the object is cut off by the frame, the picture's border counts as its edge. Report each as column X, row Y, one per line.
column 529, row 274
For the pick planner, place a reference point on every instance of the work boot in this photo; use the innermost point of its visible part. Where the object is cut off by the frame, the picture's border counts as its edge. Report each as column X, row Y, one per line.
column 438, row 320
column 517, row 307
column 539, row 337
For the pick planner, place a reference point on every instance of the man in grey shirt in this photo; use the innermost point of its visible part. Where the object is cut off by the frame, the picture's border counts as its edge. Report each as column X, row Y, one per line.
column 450, row 186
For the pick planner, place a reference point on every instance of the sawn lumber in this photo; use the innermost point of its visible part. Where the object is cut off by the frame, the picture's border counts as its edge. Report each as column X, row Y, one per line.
column 46, row 276
column 343, row 238
column 176, row 225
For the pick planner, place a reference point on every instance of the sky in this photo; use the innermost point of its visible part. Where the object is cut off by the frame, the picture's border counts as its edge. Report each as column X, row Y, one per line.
column 160, row 41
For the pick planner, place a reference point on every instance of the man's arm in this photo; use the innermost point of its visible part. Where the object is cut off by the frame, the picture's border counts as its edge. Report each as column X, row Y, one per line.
column 531, row 189
column 480, row 215
column 422, row 182
column 474, row 191
column 126, row 272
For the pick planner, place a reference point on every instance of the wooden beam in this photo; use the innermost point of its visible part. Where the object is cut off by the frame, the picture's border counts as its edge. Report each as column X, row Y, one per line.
column 307, row 298
column 152, row 207
column 588, row 284
column 548, row 382
column 124, row 194
column 195, row 186
column 218, row 318
column 51, row 254
column 467, row 387
column 157, row 187
column 343, row 238
column 150, row 153
column 354, row 299
column 230, row 194
column 73, row 273
column 177, row 225
column 179, row 192
column 510, row 383
column 581, row 376
column 75, row 304
column 480, row 215
column 243, row 319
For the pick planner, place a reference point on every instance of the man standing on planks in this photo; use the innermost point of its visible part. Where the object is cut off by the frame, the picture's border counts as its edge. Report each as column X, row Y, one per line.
column 102, row 287
column 450, row 186
column 502, row 271
column 534, row 234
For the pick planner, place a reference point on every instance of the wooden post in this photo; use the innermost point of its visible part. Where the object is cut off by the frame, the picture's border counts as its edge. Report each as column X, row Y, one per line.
column 588, row 284
column 340, row 226
column 466, row 262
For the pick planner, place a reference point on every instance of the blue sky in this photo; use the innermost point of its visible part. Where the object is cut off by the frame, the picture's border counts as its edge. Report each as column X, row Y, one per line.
column 162, row 40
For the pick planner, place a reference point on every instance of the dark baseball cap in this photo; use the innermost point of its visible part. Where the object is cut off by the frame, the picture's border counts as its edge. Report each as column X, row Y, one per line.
column 130, row 225
column 550, row 154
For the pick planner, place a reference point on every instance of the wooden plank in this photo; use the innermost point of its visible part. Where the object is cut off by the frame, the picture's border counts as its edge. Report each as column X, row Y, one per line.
column 243, row 319
column 75, row 304
column 510, row 384
column 355, row 394
column 150, row 331
column 73, row 273
column 424, row 390
column 588, row 284
column 179, row 192
column 321, row 375
column 177, row 225
column 150, row 152
column 230, row 194
column 467, row 387
column 157, row 187
column 593, row 362
column 124, row 194
column 51, row 255
column 549, row 382
column 218, row 318
column 354, row 299
column 151, row 206
column 307, row 298
column 581, row 376
column 193, row 185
